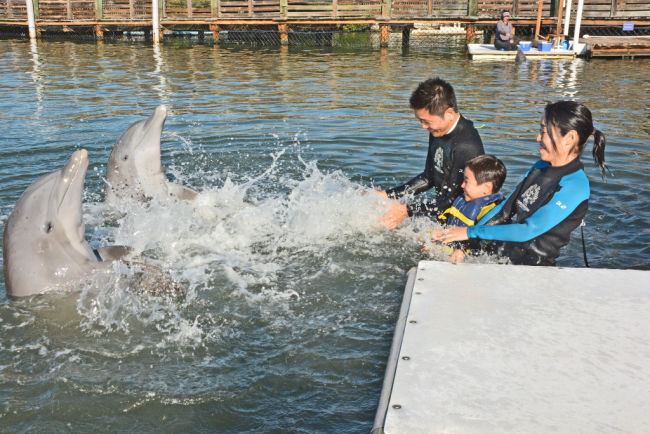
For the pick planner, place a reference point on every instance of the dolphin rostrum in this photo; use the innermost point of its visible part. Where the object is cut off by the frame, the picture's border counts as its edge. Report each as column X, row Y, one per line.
column 43, row 243
column 134, row 169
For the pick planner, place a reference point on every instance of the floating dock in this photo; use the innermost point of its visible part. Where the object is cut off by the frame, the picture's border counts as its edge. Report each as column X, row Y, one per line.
column 504, row 348
column 489, row 52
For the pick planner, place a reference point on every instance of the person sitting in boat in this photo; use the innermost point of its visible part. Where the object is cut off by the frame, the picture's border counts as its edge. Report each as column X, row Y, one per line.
column 504, row 38
column 537, row 219
column 482, row 179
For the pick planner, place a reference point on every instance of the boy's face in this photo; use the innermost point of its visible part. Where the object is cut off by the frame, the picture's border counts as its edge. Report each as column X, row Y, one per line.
column 472, row 189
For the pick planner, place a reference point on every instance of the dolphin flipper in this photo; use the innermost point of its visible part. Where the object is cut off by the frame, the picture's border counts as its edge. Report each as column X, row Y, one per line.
column 114, row 253
column 181, row 192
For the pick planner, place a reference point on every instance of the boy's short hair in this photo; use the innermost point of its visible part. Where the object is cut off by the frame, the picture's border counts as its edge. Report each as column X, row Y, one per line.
column 488, row 168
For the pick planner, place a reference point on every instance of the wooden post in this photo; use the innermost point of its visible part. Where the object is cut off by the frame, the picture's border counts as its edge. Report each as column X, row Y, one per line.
column 189, row 8
column 384, row 35
column 538, row 24
column 250, row 8
column 470, row 32
column 558, row 28
column 406, row 36
column 131, row 9
column 472, row 8
column 386, row 6
column 30, row 19
column 99, row 9
column 429, row 8
column 613, row 9
column 68, row 9
column 335, row 8
column 284, row 9
column 155, row 21
column 567, row 19
column 576, row 30
column 215, row 11
column 284, row 34
column 214, row 28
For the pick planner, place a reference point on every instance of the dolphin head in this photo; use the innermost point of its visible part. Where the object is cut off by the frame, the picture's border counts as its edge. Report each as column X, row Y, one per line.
column 134, row 168
column 43, row 242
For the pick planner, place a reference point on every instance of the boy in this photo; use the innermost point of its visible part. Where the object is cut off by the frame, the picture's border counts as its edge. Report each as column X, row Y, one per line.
column 483, row 178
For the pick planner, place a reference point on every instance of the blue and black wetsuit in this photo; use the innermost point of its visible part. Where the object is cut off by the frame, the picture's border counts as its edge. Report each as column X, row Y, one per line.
column 537, row 219
column 443, row 170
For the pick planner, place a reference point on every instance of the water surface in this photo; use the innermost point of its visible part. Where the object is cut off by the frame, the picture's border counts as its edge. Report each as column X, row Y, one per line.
column 293, row 290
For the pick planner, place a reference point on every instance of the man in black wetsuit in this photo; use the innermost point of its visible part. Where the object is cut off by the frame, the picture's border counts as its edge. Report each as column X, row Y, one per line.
column 453, row 141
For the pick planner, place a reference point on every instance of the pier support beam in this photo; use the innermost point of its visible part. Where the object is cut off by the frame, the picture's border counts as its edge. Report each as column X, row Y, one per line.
column 470, row 32
column 406, row 36
column 99, row 32
column 31, row 21
column 214, row 28
column 384, row 34
column 155, row 21
column 283, row 29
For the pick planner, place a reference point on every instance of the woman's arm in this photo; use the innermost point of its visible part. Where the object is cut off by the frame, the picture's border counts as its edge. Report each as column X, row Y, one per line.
column 573, row 192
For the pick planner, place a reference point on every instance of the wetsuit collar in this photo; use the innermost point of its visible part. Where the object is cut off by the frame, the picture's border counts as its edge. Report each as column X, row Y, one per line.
column 453, row 127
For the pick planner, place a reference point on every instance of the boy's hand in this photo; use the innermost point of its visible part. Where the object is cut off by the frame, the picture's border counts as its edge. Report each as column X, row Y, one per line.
column 457, row 256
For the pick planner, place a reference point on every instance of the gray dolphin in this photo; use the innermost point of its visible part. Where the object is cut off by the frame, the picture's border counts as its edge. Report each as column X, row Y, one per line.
column 43, row 243
column 520, row 57
column 134, row 168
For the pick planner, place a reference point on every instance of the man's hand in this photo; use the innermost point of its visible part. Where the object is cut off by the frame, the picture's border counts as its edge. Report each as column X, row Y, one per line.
column 382, row 194
column 396, row 214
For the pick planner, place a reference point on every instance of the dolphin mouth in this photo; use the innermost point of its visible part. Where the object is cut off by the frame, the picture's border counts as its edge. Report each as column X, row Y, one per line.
column 76, row 166
column 156, row 120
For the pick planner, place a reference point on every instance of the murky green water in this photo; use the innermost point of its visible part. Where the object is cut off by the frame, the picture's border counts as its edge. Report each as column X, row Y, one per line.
column 293, row 290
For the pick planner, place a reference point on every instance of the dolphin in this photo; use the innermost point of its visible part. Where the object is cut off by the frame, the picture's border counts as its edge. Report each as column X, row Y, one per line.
column 43, row 242
column 520, row 57
column 134, row 170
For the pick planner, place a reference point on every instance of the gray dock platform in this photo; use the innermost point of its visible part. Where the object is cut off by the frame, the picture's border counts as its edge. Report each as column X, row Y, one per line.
column 503, row 348
column 488, row 52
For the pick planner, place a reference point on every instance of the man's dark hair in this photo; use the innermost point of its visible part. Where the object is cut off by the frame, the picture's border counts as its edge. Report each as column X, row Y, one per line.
column 488, row 168
column 434, row 94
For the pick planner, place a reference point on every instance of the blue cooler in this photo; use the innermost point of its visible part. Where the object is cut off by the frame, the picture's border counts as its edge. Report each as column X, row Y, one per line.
column 545, row 46
column 524, row 45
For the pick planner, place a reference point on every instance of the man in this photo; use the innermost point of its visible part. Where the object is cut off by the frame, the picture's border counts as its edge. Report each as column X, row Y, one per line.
column 453, row 141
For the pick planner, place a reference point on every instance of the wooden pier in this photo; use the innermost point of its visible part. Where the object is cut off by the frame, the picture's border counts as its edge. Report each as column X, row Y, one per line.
column 211, row 16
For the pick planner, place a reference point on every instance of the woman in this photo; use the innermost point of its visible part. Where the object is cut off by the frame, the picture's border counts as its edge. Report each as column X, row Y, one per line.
column 504, row 38
column 537, row 219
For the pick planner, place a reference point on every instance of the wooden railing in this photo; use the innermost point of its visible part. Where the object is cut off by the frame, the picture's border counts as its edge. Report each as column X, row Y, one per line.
column 74, row 10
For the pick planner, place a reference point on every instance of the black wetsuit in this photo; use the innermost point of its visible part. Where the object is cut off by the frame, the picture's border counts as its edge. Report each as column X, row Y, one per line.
column 444, row 168
column 537, row 219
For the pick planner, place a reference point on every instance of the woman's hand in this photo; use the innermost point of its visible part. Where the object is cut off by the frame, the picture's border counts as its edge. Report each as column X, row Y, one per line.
column 448, row 235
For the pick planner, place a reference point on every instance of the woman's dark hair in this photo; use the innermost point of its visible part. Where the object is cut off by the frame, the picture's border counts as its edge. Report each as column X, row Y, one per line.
column 434, row 94
column 571, row 115
column 488, row 168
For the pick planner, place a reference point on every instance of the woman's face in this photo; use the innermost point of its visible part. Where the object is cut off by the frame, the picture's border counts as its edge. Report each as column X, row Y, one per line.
column 556, row 155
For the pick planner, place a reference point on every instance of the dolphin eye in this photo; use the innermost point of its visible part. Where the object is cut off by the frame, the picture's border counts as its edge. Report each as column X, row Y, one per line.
column 126, row 157
column 48, row 227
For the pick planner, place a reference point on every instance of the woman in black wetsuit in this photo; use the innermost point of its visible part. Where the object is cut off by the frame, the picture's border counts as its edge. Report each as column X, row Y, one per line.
column 537, row 219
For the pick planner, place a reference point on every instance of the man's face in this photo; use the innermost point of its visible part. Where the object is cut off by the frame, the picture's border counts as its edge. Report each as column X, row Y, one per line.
column 436, row 125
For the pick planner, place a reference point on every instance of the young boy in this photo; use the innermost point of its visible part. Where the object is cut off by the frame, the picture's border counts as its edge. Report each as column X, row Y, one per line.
column 483, row 178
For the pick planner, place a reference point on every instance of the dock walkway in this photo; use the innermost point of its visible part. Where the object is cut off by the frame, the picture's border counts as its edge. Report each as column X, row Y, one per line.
column 503, row 348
